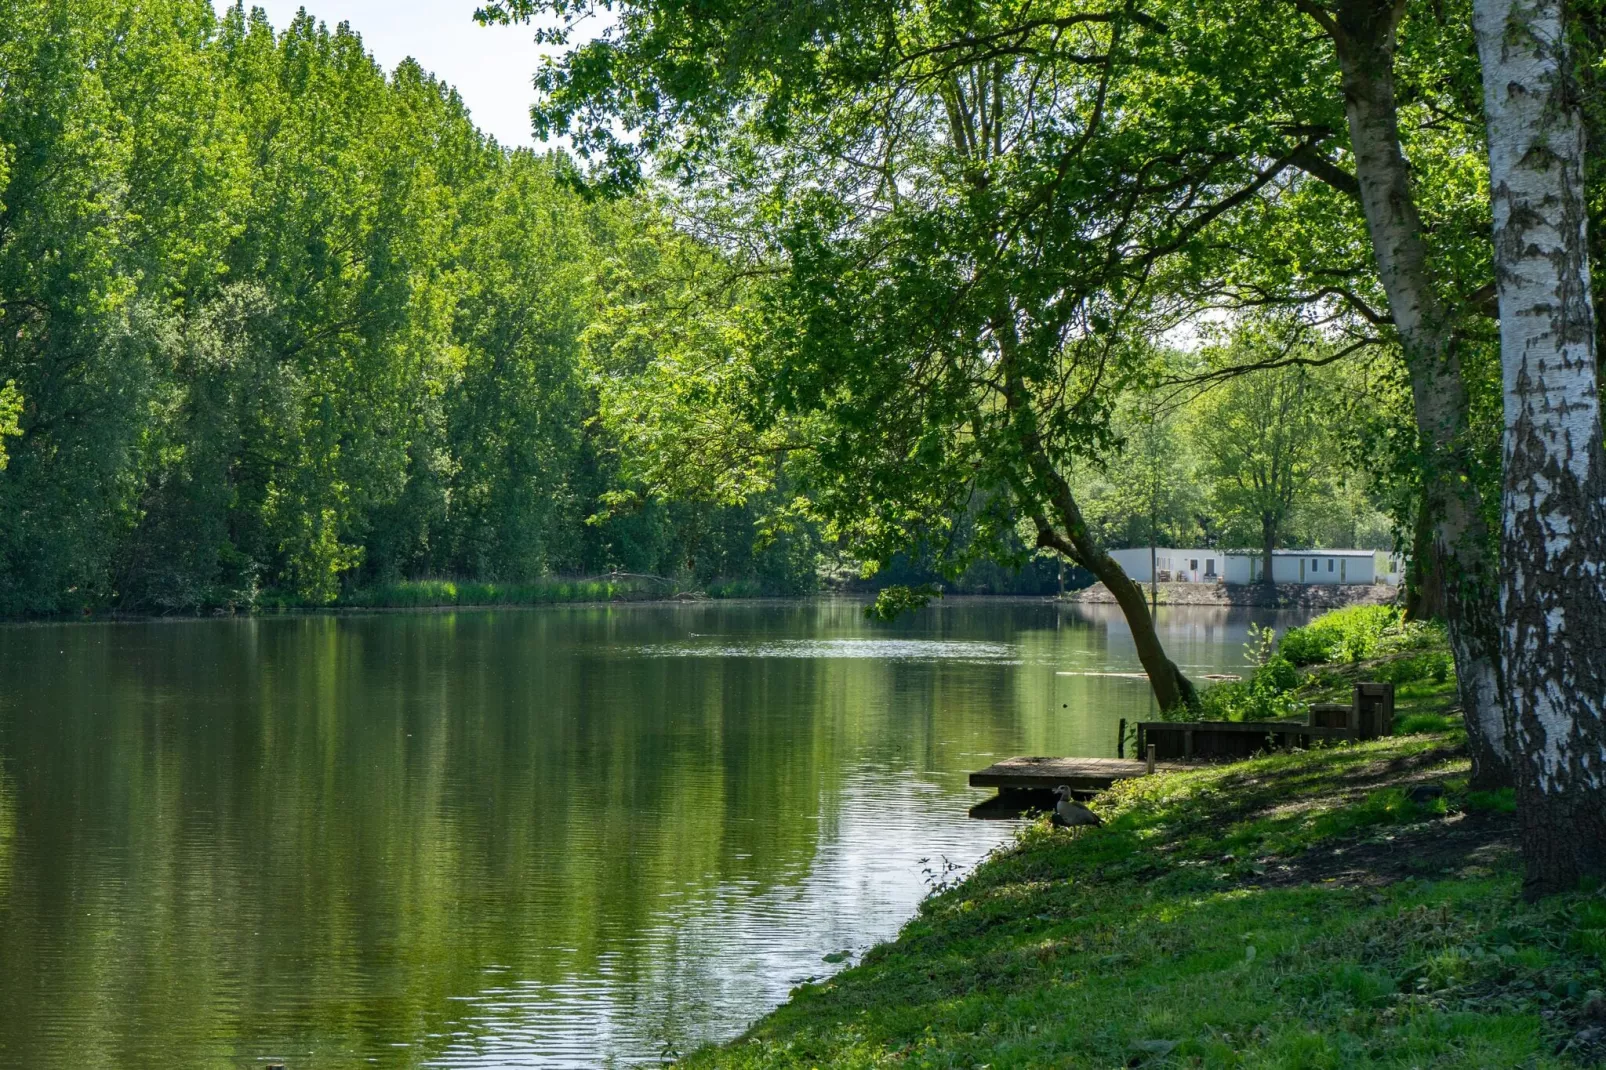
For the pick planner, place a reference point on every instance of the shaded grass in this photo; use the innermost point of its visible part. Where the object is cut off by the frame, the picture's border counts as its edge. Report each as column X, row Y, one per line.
column 1208, row 924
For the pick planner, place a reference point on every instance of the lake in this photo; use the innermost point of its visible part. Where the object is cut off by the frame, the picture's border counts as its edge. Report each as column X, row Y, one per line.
column 554, row 837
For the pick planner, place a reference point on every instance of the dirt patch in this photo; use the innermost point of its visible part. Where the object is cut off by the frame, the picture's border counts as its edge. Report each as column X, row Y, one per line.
column 1460, row 845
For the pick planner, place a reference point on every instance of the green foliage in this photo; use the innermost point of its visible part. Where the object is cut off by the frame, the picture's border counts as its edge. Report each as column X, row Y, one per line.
column 1258, row 437
column 10, row 410
column 1267, row 695
column 1362, row 632
column 278, row 326
column 1413, row 655
column 897, row 599
column 415, row 594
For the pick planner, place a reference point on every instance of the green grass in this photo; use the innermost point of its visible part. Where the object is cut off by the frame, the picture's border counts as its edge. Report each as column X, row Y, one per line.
column 416, row 594
column 1293, row 910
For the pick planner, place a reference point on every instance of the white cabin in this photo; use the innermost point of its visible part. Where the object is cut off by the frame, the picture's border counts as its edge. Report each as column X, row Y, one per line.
column 1245, row 566
column 1174, row 565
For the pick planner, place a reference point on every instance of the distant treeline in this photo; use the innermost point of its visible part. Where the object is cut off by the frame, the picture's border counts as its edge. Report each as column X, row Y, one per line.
column 276, row 326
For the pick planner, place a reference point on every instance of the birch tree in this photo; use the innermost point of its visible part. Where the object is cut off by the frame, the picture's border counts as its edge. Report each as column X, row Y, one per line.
column 1553, row 538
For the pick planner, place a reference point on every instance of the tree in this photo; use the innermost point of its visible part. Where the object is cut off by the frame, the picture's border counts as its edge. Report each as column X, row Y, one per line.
column 1365, row 36
column 1553, row 540
column 976, row 208
column 1259, row 442
column 277, row 323
column 1148, row 493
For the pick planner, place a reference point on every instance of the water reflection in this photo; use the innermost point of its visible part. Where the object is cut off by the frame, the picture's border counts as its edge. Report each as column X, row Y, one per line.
column 500, row 838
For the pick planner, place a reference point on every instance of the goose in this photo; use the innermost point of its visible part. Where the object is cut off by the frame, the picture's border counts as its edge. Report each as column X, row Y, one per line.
column 1068, row 813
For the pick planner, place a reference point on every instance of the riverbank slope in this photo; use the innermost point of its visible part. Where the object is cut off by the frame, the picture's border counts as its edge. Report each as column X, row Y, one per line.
column 1311, row 909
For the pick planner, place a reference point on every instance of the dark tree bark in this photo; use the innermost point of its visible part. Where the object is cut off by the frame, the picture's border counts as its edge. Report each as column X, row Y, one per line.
column 1363, row 32
column 1553, row 541
column 1424, row 584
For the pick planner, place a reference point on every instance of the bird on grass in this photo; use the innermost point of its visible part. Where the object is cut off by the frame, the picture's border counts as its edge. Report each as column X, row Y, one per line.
column 1068, row 813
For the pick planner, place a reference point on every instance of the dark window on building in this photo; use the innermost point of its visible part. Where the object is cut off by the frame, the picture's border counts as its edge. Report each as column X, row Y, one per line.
column 1329, row 564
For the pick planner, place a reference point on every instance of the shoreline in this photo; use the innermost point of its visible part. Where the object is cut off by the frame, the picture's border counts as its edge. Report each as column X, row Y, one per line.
column 1285, row 596
column 1347, row 905
column 1069, row 600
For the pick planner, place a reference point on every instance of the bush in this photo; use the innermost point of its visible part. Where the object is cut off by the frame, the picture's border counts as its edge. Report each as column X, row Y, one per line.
column 411, row 594
column 1345, row 635
column 1266, row 696
column 1350, row 635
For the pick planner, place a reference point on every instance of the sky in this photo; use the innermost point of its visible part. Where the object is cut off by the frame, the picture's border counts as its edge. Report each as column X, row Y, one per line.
column 491, row 66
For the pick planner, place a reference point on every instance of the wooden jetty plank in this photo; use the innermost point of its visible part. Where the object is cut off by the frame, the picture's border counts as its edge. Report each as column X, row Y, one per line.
column 1080, row 774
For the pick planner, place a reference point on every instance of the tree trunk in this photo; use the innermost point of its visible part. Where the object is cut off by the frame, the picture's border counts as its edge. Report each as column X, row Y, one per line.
column 1268, row 544
column 1172, row 689
column 1424, row 590
column 1553, row 542
column 1363, row 33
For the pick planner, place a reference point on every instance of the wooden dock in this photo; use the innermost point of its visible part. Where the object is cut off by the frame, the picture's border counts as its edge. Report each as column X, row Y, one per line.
column 1026, row 784
column 1079, row 774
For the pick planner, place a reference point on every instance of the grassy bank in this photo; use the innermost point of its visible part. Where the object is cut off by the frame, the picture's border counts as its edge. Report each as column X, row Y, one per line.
column 420, row 594
column 1294, row 910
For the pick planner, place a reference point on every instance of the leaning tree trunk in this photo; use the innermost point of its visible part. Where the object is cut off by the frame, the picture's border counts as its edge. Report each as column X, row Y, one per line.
column 1072, row 539
column 1553, row 539
column 1363, row 33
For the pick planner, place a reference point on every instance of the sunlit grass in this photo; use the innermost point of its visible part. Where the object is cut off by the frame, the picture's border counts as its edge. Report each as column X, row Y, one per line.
column 1197, row 928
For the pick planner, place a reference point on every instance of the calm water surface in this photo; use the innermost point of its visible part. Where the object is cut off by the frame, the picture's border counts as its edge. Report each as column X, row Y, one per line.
column 558, row 837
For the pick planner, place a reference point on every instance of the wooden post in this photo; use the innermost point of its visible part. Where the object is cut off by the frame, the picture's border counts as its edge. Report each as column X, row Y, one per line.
column 1120, row 739
column 1374, row 709
column 1149, row 761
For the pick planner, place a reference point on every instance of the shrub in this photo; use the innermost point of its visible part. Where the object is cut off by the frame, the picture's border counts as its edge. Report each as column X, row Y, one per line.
column 1267, row 695
column 1352, row 634
column 410, row 594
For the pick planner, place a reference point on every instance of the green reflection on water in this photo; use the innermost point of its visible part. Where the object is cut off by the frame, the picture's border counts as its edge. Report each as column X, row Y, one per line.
column 549, row 837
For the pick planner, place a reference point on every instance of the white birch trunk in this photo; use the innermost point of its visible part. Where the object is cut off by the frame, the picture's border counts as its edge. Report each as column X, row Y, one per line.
column 1553, row 537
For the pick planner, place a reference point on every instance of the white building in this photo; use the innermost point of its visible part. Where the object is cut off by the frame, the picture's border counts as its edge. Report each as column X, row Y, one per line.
column 1246, row 566
column 1174, row 565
